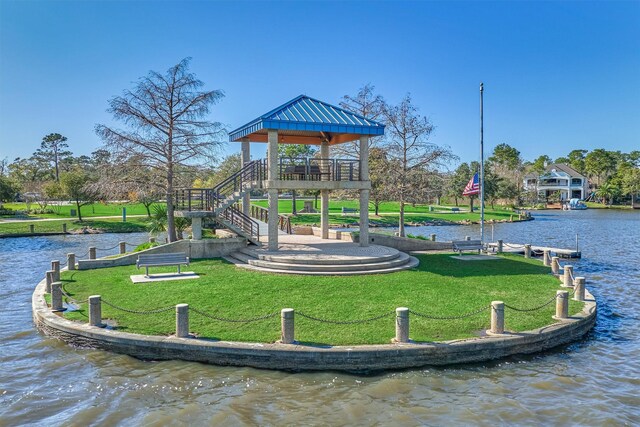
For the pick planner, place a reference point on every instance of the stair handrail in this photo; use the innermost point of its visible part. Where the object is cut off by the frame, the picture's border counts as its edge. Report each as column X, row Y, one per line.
column 262, row 214
column 247, row 224
column 250, row 172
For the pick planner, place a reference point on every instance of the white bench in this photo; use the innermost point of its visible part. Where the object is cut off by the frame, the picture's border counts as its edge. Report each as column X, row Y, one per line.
column 467, row 245
column 159, row 260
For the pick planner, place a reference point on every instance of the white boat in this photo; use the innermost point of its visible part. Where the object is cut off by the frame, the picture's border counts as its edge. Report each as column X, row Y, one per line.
column 574, row 205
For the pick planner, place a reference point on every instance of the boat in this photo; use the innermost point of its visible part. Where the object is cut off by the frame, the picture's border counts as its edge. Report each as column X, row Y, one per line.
column 574, row 205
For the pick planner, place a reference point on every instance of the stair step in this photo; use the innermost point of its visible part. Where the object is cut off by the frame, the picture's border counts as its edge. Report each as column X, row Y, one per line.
column 412, row 262
column 401, row 259
column 326, row 261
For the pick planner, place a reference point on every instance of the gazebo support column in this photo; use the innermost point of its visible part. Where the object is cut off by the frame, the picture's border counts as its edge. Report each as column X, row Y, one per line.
column 245, row 157
column 324, row 196
column 364, row 194
column 272, row 175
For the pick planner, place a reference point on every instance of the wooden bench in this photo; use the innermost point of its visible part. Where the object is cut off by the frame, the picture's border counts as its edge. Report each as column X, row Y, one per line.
column 455, row 210
column 158, row 260
column 349, row 210
column 467, row 245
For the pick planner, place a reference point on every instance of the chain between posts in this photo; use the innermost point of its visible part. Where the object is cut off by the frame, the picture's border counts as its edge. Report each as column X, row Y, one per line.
column 159, row 310
column 346, row 322
column 71, row 299
column 224, row 319
column 462, row 316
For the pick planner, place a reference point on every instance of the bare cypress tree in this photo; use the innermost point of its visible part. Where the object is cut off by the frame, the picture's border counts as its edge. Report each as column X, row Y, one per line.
column 365, row 103
column 166, row 126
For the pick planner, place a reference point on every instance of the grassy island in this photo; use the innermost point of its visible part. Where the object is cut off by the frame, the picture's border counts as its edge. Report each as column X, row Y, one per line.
column 441, row 286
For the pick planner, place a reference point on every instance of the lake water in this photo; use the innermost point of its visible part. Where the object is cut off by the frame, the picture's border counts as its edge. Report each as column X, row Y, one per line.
column 592, row 382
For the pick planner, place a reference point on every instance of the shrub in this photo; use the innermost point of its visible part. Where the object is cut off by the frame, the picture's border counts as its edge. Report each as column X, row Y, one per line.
column 146, row 245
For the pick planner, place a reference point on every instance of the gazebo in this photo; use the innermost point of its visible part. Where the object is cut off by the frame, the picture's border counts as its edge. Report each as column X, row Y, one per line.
column 303, row 120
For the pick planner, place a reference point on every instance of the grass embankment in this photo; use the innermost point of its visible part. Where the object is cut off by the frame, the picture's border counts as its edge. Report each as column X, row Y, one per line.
column 64, row 211
column 441, row 286
column 388, row 213
column 107, row 225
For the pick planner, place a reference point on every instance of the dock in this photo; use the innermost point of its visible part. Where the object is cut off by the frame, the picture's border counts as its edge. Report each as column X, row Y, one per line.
column 517, row 248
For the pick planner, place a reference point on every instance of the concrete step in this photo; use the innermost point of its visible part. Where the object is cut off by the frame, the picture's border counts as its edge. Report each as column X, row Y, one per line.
column 325, row 261
column 411, row 263
column 304, row 265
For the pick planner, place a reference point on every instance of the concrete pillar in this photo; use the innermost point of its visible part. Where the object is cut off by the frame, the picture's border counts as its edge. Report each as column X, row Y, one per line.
column 546, row 258
column 364, row 158
column 152, row 239
column 497, row 317
column 568, row 275
column 272, row 155
column 92, row 253
column 55, row 266
column 287, row 323
column 123, row 247
column 64, row 227
column 433, row 237
column 196, row 228
column 95, row 310
column 71, row 261
column 273, row 219
column 562, row 305
column 555, row 265
column 579, row 288
column 32, row 228
column 500, row 246
column 49, row 279
column 245, row 157
column 527, row 251
column 324, row 214
column 402, row 324
column 364, row 218
column 182, row 320
column 56, row 296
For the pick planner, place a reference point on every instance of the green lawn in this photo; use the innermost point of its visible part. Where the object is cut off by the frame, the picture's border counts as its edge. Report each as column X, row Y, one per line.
column 109, row 225
column 96, row 209
column 441, row 286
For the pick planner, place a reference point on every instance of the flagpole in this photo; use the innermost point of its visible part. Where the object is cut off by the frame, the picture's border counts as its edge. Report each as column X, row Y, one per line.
column 481, row 165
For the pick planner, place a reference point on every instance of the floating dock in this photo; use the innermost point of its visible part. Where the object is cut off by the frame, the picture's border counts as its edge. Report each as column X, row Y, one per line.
column 517, row 248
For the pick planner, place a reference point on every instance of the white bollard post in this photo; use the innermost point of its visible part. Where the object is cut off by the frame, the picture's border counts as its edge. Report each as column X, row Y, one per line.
column 500, row 246
column 402, row 324
column 49, row 275
column 55, row 266
column 95, row 310
column 546, row 258
column 579, row 288
column 527, row 251
column 182, row 320
column 71, row 261
column 123, row 247
column 562, row 305
column 497, row 317
column 32, row 228
column 568, row 276
column 467, row 237
column 287, row 325
column 56, row 297
column 92, row 253
column 433, row 237
column 555, row 265
column 152, row 239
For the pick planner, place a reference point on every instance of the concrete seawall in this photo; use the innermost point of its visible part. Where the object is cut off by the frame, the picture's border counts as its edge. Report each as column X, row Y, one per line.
column 362, row 358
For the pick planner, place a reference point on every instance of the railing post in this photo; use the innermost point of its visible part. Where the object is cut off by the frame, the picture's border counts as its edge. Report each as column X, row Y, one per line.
column 500, row 246
column 579, row 288
column 56, row 296
column 402, row 325
column 95, row 310
column 49, row 277
column 555, row 265
column 568, row 275
column 433, row 237
column 189, row 199
column 92, row 253
column 55, row 266
column 287, row 323
column 182, row 320
column 32, row 228
column 64, row 227
column 71, row 261
column 123, row 247
column 527, row 251
column 497, row 317
column 546, row 258
column 562, row 305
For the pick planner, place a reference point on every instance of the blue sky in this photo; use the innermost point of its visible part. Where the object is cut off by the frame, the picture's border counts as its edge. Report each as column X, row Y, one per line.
column 557, row 75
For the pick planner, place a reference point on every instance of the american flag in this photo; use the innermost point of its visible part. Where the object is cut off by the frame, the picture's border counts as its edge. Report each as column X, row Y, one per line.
column 473, row 186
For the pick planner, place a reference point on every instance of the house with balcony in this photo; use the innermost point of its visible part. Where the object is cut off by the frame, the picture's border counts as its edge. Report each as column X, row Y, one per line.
column 558, row 181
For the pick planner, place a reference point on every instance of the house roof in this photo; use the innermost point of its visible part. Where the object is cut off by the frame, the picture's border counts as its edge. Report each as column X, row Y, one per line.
column 564, row 168
column 305, row 120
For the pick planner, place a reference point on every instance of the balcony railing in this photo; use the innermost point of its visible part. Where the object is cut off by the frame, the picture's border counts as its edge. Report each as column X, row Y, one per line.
column 313, row 169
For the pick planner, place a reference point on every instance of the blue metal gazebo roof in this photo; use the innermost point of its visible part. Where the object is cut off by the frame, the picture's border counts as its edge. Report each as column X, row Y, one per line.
column 305, row 120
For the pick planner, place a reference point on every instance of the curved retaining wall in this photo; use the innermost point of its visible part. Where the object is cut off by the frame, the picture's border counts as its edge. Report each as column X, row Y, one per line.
column 300, row 357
